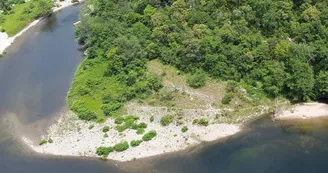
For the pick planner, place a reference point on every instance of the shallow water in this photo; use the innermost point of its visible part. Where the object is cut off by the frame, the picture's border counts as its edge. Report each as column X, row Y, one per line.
column 35, row 77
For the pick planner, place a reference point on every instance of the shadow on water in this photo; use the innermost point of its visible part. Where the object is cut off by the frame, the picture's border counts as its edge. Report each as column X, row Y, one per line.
column 35, row 77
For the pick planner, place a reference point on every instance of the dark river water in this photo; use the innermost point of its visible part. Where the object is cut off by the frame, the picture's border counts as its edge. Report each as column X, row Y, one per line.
column 35, row 76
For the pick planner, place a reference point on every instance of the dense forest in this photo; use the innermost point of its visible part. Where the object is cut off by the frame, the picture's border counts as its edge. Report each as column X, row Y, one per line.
column 277, row 46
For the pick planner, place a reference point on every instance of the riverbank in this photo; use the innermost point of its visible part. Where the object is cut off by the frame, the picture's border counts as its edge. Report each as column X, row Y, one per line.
column 6, row 41
column 73, row 137
column 303, row 111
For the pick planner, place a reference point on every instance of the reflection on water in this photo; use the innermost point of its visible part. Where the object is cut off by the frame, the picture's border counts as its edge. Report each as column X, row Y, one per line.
column 35, row 77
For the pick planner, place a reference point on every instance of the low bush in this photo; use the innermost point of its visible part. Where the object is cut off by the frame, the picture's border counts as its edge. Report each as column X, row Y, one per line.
column 149, row 136
column 91, row 126
column 195, row 121
column 184, row 129
column 227, row 98
column 140, row 131
column 42, row 142
column 110, row 108
column 141, row 125
column 203, row 122
column 105, row 135
column 197, row 79
column 121, row 146
column 104, row 151
column 135, row 143
column 50, row 140
column 105, row 129
column 119, row 120
column 151, row 119
column 166, row 120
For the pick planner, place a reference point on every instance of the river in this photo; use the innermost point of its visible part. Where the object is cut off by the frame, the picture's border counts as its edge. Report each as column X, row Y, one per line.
column 35, row 76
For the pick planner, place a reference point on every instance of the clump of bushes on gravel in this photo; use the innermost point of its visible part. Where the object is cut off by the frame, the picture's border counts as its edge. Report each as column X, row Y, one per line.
column 121, row 146
column 149, row 136
column 104, row 151
column 140, row 131
column 105, row 129
column 166, row 120
column 184, row 129
column 135, row 143
column 42, row 142
column 201, row 122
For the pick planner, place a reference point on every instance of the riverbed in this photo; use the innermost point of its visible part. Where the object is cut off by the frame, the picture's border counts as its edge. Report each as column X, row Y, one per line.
column 35, row 76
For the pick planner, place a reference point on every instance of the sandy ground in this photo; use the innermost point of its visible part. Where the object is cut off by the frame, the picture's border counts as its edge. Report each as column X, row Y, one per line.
column 6, row 41
column 303, row 111
column 71, row 137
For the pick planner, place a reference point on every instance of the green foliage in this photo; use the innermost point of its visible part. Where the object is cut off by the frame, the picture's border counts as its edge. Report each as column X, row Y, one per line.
column 128, row 122
column 42, row 142
column 105, row 129
column 91, row 126
column 104, row 151
column 50, row 140
column 166, row 120
column 121, row 146
column 227, row 98
column 140, row 131
column 184, row 129
column 197, row 79
column 135, row 143
column 119, row 120
column 151, row 119
column 105, row 135
column 149, row 135
column 18, row 16
column 141, row 125
column 203, row 122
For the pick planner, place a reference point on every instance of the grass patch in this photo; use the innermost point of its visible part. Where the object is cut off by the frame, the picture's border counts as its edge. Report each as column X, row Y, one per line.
column 149, row 136
column 105, row 129
column 42, row 142
column 121, row 146
column 104, row 151
column 135, row 143
column 184, row 129
column 166, row 120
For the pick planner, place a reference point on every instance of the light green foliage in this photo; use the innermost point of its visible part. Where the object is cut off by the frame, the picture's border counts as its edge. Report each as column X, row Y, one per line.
column 128, row 120
column 105, row 129
column 91, row 126
column 203, row 122
column 227, row 98
column 104, row 151
column 50, row 140
column 151, row 119
column 42, row 142
column 197, row 79
column 166, row 120
column 135, row 143
column 121, row 146
column 149, row 135
column 184, row 129
column 140, row 131
column 18, row 16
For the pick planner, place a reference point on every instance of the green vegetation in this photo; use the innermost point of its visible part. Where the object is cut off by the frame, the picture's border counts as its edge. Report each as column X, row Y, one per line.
column 129, row 122
column 227, row 98
column 149, row 136
column 105, row 135
column 135, row 143
column 42, row 142
column 151, row 119
column 197, row 79
column 203, row 122
column 184, row 129
column 91, row 126
column 121, row 146
column 105, row 129
column 104, row 151
column 267, row 49
column 140, row 131
column 15, row 18
column 50, row 140
column 166, row 120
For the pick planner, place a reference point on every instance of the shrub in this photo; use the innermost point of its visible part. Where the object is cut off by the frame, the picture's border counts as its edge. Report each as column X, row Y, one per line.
column 74, row 1
column 151, row 119
column 50, row 140
column 149, row 136
column 195, row 121
column 135, row 143
column 119, row 120
column 110, row 108
column 104, row 151
column 105, row 129
column 87, row 115
column 121, row 146
column 140, row 131
column 105, row 135
column 197, row 79
column 231, row 86
column 141, row 125
column 91, row 126
column 166, row 120
column 203, row 122
column 42, row 142
column 184, row 129
column 227, row 98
